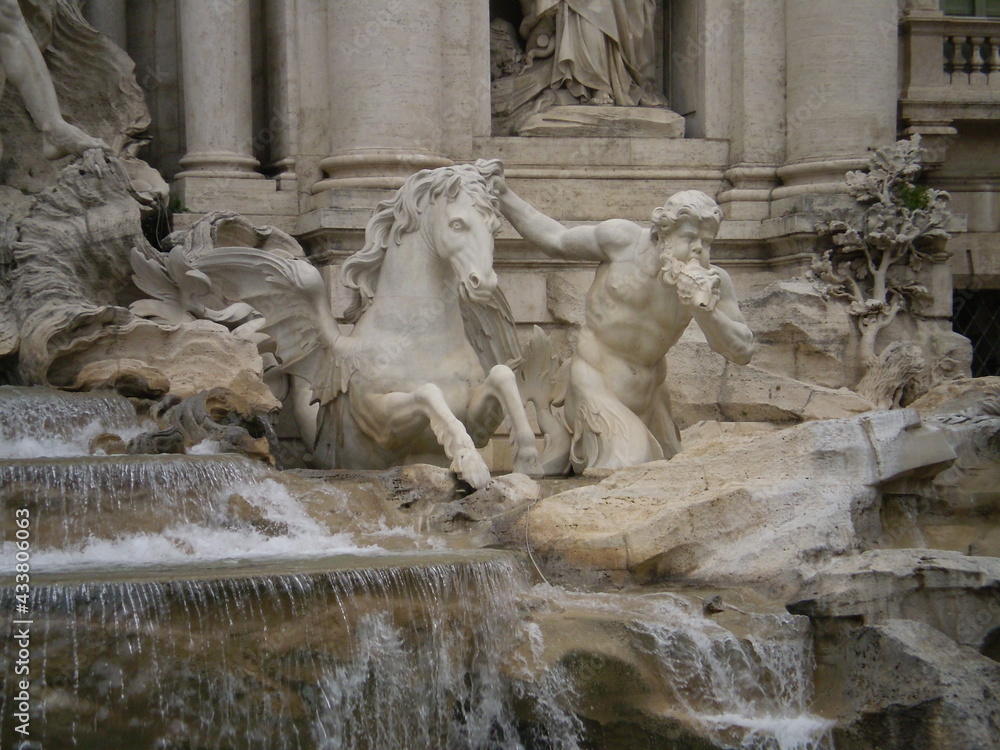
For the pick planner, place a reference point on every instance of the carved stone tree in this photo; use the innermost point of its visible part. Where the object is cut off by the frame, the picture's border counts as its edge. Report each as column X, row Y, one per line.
column 878, row 247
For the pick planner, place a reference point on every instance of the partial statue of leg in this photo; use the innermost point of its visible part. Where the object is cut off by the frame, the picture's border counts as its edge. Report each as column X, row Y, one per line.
column 500, row 388
column 387, row 416
column 25, row 67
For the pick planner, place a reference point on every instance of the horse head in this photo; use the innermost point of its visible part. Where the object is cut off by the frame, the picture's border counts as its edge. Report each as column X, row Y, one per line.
column 453, row 210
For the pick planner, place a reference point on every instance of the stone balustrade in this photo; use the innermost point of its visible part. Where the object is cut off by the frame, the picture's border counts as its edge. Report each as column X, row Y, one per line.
column 951, row 72
column 951, row 68
column 972, row 58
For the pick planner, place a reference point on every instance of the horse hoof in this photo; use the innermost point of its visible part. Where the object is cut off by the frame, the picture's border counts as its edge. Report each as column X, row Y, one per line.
column 470, row 466
column 530, row 466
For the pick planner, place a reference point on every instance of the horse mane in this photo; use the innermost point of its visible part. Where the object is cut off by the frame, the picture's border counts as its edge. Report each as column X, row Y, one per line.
column 401, row 215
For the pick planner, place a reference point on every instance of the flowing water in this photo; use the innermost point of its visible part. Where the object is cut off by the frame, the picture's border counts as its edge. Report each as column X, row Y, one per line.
column 395, row 652
column 746, row 689
column 209, row 602
column 38, row 422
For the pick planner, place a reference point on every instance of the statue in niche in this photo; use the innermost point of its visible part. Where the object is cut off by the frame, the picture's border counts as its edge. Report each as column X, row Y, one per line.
column 650, row 284
column 601, row 52
column 24, row 66
column 425, row 373
column 576, row 52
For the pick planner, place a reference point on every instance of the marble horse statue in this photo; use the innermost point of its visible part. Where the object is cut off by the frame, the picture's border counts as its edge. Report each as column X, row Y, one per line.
column 426, row 369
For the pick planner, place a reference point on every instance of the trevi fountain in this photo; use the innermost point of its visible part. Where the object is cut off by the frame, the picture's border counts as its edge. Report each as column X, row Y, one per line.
column 538, row 374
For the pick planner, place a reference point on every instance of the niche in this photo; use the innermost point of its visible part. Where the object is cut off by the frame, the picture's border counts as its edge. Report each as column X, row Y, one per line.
column 606, row 56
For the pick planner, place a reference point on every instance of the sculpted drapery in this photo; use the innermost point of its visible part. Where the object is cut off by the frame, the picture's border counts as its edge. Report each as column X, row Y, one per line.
column 603, row 50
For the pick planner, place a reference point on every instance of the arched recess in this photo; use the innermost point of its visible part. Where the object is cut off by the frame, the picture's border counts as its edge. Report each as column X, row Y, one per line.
column 515, row 45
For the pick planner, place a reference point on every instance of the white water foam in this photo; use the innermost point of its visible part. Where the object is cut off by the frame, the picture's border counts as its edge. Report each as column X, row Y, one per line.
column 52, row 446
column 300, row 537
column 752, row 692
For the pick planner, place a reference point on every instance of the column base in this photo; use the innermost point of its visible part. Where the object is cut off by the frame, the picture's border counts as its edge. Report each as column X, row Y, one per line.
column 220, row 164
column 375, row 168
column 750, row 195
column 816, row 177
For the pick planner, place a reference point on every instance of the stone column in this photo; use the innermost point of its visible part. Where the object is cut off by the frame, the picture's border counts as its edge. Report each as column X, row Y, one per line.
column 385, row 92
column 282, row 90
column 218, row 120
column 757, row 143
column 842, row 62
column 108, row 17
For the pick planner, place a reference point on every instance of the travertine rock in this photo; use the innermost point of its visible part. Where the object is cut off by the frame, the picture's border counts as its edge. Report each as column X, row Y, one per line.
column 490, row 512
column 71, row 267
column 168, row 440
column 960, row 508
column 193, row 357
column 801, row 335
column 911, row 686
column 767, row 509
column 957, row 395
column 705, row 387
column 956, row 594
column 129, row 377
column 228, row 421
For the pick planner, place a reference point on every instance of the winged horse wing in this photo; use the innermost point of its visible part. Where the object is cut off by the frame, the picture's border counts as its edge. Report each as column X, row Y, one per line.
column 292, row 298
column 490, row 328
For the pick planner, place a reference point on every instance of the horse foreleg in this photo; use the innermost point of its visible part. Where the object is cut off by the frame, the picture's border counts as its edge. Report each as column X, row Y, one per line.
column 500, row 389
column 386, row 415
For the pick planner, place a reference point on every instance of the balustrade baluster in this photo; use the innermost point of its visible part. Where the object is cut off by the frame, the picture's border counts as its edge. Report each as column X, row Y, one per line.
column 993, row 63
column 977, row 65
column 951, row 65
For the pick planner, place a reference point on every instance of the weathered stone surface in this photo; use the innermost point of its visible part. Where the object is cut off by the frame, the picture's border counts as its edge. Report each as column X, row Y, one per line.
column 193, row 357
column 703, row 386
column 802, row 335
column 953, row 593
column 703, row 433
column 566, row 297
column 960, row 508
column 107, row 443
column 129, row 377
column 488, row 513
column 613, row 122
column 168, row 440
column 767, row 509
column 957, row 395
column 651, row 670
column 410, row 489
column 227, row 421
column 71, row 264
column 799, row 334
column 910, row 686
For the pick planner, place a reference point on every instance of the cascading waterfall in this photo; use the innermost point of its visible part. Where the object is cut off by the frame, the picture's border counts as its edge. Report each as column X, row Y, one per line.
column 41, row 422
column 402, row 653
column 207, row 601
column 78, row 499
column 752, row 691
